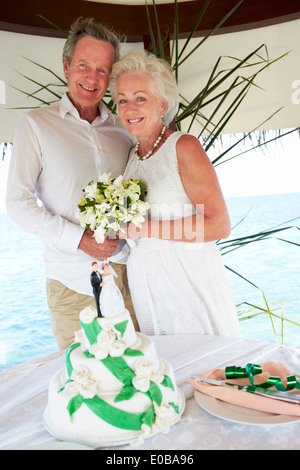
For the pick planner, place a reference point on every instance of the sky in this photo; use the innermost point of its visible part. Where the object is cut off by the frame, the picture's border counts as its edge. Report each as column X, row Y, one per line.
column 272, row 170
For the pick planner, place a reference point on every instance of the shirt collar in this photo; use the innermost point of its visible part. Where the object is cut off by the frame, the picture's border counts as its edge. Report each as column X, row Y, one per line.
column 66, row 106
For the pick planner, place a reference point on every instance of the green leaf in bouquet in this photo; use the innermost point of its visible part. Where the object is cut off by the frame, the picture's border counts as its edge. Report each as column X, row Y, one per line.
column 143, row 192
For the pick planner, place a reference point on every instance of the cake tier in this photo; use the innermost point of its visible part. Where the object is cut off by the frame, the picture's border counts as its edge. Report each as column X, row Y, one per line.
column 117, row 327
column 105, row 418
column 105, row 371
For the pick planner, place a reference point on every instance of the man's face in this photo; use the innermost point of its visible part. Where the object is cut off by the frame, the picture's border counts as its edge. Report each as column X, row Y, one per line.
column 88, row 72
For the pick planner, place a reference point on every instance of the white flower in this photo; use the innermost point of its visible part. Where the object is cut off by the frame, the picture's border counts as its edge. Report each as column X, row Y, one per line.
column 137, row 220
column 99, row 351
column 146, row 431
column 143, row 206
column 143, row 367
column 118, row 181
column 143, row 370
column 71, row 389
column 91, row 191
column 99, row 234
column 104, row 178
column 88, row 389
column 106, row 337
column 114, row 226
column 141, row 383
column 88, row 218
column 80, row 374
column 79, row 336
column 157, row 377
column 117, row 348
column 88, row 315
column 165, row 416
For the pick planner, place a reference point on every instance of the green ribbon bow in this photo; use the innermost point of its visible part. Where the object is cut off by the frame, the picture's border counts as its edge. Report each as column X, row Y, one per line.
column 233, row 372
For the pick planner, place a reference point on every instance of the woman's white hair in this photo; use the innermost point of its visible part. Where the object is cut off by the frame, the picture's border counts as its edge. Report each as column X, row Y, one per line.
column 164, row 83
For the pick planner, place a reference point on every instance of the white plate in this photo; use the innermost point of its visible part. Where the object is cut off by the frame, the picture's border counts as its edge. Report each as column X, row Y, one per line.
column 238, row 414
column 102, row 443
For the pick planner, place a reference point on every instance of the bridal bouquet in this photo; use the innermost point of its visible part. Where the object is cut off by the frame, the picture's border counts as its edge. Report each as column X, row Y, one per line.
column 110, row 203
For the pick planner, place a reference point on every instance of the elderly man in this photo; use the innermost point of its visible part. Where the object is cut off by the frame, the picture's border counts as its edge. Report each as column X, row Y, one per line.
column 57, row 151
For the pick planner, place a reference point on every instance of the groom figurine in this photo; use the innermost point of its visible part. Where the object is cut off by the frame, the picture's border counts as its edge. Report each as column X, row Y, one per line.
column 96, row 280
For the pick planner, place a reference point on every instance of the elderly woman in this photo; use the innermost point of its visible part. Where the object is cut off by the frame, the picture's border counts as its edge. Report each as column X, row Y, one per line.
column 176, row 276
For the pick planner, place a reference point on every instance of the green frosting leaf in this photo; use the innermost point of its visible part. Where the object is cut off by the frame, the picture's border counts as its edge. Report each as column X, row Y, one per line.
column 155, row 393
column 149, row 416
column 167, row 382
column 74, row 404
column 176, row 407
column 133, row 352
column 121, row 327
column 68, row 360
column 127, row 392
column 91, row 330
column 88, row 354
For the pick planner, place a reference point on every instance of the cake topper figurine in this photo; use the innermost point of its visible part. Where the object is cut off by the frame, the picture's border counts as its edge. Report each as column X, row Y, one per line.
column 96, row 280
column 111, row 301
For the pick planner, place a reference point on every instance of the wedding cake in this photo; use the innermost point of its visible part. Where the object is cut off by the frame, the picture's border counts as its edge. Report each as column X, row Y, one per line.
column 114, row 389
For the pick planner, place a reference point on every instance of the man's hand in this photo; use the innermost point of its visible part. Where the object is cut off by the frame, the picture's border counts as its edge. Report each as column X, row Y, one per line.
column 100, row 251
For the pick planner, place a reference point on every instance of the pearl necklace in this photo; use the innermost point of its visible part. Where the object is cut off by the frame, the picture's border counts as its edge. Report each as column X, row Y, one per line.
column 153, row 148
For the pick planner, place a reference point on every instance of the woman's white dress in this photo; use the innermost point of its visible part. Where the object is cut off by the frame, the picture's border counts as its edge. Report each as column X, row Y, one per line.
column 111, row 300
column 176, row 287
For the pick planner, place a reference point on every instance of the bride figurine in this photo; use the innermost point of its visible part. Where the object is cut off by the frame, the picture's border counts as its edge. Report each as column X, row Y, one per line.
column 111, row 300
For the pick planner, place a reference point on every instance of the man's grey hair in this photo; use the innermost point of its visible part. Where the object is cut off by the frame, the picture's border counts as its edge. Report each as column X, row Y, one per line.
column 89, row 27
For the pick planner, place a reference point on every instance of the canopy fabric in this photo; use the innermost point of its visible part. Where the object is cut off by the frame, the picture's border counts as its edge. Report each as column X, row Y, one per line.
column 278, row 85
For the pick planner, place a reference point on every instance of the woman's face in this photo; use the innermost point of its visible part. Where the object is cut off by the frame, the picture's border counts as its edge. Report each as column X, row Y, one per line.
column 139, row 108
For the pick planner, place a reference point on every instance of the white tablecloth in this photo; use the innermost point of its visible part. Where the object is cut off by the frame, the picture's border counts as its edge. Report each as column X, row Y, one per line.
column 23, row 398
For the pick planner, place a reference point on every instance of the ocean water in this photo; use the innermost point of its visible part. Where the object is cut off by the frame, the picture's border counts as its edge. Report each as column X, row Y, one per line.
column 272, row 265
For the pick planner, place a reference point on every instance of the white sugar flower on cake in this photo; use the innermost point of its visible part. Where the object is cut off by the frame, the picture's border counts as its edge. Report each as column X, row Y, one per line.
column 99, row 351
column 117, row 349
column 145, row 374
column 88, row 389
column 165, row 416
column 88, row 315
column 107, row 336
column 80, row 374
